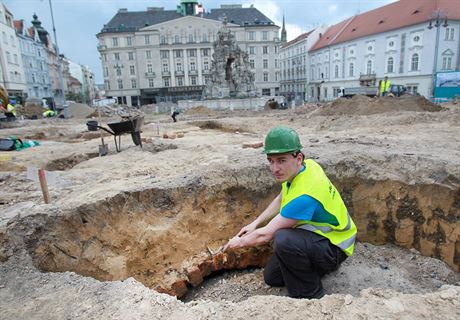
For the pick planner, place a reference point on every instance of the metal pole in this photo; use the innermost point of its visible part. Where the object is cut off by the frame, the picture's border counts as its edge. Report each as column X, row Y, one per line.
column 59, row 67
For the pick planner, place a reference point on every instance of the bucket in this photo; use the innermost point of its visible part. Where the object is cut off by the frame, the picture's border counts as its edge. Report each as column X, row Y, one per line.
column 92, row 125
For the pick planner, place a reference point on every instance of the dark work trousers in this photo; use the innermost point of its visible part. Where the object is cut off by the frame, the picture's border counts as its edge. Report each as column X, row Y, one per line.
column 299, row 260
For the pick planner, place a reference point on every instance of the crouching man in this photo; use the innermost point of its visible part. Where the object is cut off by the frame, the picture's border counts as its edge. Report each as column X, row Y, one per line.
column 310, row 225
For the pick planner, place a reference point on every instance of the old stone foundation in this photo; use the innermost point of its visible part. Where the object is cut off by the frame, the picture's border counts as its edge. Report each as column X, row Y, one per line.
column 160, row 236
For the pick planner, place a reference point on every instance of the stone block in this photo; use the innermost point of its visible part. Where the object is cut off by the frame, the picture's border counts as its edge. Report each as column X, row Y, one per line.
column 194, row 275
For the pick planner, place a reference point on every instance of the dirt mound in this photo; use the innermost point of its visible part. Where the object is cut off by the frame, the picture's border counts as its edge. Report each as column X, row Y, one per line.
column 116, row 109
column 79, row 110
column 200, row 110
column 30, row 111
column 362, row 105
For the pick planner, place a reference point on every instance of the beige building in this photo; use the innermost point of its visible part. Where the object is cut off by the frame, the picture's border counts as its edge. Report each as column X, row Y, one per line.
column 164, row 55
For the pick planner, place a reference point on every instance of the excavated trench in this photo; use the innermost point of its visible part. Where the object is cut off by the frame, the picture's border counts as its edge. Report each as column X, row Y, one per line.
column 160, row 236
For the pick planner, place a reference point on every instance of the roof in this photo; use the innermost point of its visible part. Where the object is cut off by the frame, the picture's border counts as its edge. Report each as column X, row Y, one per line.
column 18, row 26
column 297, row 39
column 393, row 16
column 125, row 21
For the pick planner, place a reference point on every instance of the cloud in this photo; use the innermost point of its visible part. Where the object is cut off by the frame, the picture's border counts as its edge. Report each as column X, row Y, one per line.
column 271, row 9
column 332, row 8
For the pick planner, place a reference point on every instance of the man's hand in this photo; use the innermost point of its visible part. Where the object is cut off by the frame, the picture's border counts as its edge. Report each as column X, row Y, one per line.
column 233, row 243
column 247, row 229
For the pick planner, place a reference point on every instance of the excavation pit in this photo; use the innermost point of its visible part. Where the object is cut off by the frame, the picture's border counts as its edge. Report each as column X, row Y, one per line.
column 160, row 236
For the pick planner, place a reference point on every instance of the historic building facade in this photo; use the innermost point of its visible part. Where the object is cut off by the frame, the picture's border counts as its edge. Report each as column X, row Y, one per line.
column 293, row 56
column 11, row 67
column 164, row 55
column 35, row 59
column 406, row 41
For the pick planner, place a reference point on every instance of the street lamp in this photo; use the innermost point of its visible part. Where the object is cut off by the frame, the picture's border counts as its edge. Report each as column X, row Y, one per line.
column 436, row 21
column 118, row 67
column 59, row 69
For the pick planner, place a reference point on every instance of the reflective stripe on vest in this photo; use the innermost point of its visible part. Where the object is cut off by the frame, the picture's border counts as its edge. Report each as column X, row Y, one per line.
column 313, row 182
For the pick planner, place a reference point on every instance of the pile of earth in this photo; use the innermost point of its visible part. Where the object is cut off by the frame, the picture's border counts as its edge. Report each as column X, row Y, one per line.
column 121, row 110
column 79, row 110
column 362, row 105
column 30, row 110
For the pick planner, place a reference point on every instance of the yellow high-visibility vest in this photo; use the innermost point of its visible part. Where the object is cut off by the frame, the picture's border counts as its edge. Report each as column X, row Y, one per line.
column 313, row 182
column 384, row 86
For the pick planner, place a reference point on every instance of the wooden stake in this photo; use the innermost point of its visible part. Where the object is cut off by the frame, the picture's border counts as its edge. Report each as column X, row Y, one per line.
column 43, row 185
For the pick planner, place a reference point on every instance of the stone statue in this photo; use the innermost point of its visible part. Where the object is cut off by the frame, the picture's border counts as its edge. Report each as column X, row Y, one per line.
column 230, row 74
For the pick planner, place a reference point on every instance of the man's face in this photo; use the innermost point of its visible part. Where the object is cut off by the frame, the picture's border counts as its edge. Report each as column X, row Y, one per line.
column 284, row 167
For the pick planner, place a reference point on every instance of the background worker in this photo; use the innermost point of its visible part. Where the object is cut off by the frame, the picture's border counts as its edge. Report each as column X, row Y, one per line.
column 49, row 113
column 384, row 86
column 174, row 114
column 10, row 110
column 309, row 223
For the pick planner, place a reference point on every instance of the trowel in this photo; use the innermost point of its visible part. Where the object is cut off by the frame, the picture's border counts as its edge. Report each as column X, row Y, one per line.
column 104, row 148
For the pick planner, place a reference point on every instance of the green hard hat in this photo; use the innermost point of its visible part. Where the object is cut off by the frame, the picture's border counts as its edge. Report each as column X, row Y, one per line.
column 282, row 139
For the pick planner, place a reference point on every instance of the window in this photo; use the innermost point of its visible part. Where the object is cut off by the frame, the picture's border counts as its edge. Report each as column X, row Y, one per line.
column 252, row 50
column 191, row 39
column 148, row 54
column 205, row 65
column 370, row 48
column 115, row 42
column 265, row 63
column 251, row 36
column 104, row 57
column 164, row 54
column 265, row 49
column 118, row 71
column 178, row 53
column 13, row 43
column 205, row 37
column 151, row 83
column 276, row 63
column 176, row 39
column 180, row 81
column 205, row 52
column 106, row 72
column 251, row 64
column 414, row 62
column 266, row 92
column 390, row 64
column 446, row 63
column 129, row 41
column 107, row 84
column 391, row 44
column 416, row 39
column 146, row 39
column 351, row 69
column 162, row 39
column 191, row 52
column 116, row 56
column 132, row 71
column 165, row 66
column 449, row 33
column 149, row 68
column 192, row 66
column 130, row 55
column 120, row 83
column 133, row 83
column 5, row 37
column 8, row 57
column 179, row 66
column 193, row 80
column 369, row 67
column 166, row 82
column 265, row 76
column 264, row 35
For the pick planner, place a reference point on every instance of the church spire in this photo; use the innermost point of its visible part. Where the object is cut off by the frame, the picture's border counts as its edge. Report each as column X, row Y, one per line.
column 283, row 32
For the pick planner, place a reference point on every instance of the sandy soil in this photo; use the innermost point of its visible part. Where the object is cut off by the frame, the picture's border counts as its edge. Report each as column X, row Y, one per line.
column 417, row 146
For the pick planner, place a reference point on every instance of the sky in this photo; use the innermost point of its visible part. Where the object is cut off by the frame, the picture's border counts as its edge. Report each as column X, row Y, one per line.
column 78, row 21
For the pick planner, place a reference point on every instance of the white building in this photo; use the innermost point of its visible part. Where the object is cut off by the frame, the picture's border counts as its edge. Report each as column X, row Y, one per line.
column 164, row 55
column 11, row 67
column 407, row 41
column 293, row 57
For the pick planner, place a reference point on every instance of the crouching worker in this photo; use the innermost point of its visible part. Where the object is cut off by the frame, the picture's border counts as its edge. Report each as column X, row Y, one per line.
column 49, row 113
column 310, row 225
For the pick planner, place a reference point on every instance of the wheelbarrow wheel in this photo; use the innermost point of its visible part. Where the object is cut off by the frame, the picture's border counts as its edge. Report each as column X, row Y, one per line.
column 136, row 138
